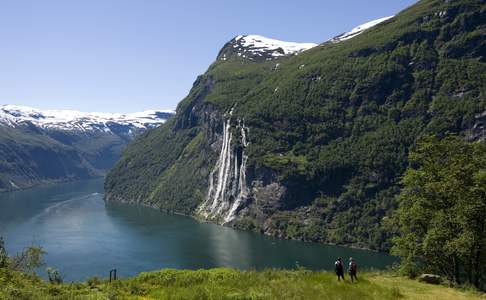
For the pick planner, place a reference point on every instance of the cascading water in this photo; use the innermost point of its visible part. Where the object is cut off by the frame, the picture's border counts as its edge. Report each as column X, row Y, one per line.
column 227, row 182
column 242, row 190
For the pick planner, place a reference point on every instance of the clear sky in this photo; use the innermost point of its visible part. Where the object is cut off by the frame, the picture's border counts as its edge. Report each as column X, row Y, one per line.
column 133, row 55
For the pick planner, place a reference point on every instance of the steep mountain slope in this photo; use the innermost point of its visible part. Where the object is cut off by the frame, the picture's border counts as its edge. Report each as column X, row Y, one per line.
column 312, row 146
column 44, row 146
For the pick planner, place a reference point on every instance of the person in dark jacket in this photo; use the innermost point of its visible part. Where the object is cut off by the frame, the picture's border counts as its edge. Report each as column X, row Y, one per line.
column 339, row 267
column 353, row 269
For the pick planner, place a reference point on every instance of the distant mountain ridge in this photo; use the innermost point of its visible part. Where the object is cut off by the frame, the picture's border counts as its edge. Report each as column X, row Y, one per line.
column 43, row 146
column 13, row 115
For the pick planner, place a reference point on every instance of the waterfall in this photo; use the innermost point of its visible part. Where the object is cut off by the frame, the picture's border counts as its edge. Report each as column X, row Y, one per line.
column 242, row 189
column 227, row 188
column 223, row 164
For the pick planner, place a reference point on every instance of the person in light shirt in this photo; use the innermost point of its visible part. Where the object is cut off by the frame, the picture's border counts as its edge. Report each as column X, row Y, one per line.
column 353, row 269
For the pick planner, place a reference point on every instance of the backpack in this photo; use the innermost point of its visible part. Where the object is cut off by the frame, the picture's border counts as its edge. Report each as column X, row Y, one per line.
column 339, row 266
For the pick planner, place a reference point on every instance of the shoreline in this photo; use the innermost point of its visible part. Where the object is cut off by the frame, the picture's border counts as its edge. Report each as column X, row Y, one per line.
column 49, row 183
column 134, row 203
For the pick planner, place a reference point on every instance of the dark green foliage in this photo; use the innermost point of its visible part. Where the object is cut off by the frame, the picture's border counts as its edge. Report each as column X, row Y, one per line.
column 335, row 124
column 442, row 211
column 158, row 179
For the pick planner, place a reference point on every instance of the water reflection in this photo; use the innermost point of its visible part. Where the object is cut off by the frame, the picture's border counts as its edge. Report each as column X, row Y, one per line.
column 85, row 237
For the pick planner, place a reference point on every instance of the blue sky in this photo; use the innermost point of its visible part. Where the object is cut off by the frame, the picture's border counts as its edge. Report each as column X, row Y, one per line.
column 133, row 55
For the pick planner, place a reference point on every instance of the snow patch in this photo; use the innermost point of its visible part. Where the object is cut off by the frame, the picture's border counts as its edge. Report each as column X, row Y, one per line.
column 259, row 45
column 359, row 30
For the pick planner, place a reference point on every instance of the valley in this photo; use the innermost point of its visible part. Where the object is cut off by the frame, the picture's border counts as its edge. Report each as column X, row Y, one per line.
column 41, row 147
column 282, row 158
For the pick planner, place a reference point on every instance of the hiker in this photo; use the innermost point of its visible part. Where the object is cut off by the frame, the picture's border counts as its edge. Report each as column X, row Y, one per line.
column 352, row 269
column 338, row 265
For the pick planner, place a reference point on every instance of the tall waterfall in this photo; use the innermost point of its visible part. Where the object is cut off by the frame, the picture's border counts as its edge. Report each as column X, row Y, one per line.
column 227, row 182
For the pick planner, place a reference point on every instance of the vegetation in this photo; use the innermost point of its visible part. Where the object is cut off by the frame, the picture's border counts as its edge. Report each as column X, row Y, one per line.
column 442, row 211
column 28, row 158
column 337, row 126
column 31, row 155
column 26, row 261
column 18, row 281
column 229, row 284
column 333, row 126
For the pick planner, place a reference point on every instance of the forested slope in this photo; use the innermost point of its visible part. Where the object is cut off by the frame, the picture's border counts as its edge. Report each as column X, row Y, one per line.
column 312, row 146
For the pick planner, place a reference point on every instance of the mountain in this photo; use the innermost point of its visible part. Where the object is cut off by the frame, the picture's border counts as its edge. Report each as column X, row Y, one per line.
column 257, row 47
column 42, row 146
column 312, row 146
column 260, row 48
column 358, row 30
column 75, row 121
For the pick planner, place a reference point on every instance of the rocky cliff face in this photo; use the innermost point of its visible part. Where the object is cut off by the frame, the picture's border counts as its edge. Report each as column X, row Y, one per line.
column 227, row 188
column 312, row 146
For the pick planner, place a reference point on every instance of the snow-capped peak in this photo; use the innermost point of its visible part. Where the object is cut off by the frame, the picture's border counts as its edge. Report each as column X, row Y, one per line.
column 358, row 30
column 258, row 43
column 257, row 47
column 13, row 115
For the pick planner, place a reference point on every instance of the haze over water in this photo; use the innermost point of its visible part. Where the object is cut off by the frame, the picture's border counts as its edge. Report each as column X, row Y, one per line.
column 84, row 237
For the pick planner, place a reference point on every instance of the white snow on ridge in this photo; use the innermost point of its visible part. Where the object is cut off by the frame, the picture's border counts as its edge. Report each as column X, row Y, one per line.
column 257, row 44
column 249, row 46
column 358, row 30
column 12, row 115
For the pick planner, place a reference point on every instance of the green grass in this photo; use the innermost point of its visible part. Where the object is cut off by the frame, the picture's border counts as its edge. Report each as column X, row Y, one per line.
column 231, row 284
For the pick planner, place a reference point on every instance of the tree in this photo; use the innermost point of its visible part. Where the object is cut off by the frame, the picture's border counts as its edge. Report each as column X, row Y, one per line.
column 442, row 213
column 28, row 260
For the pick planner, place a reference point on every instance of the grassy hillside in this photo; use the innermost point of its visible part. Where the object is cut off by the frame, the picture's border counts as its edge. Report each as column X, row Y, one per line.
column 231, row 284
column 329, row 130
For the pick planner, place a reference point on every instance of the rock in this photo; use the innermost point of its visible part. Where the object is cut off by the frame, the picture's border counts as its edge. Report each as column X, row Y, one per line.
column 430, row 278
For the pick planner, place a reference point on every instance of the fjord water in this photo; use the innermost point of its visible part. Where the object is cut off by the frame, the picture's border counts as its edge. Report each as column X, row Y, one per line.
column 84, row 237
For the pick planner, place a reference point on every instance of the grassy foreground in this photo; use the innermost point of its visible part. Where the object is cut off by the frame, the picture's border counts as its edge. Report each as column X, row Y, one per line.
column 230, row 284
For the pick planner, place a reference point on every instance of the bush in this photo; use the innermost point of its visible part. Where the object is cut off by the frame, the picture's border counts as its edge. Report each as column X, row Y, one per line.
column 54, row 276
column 93, row 281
